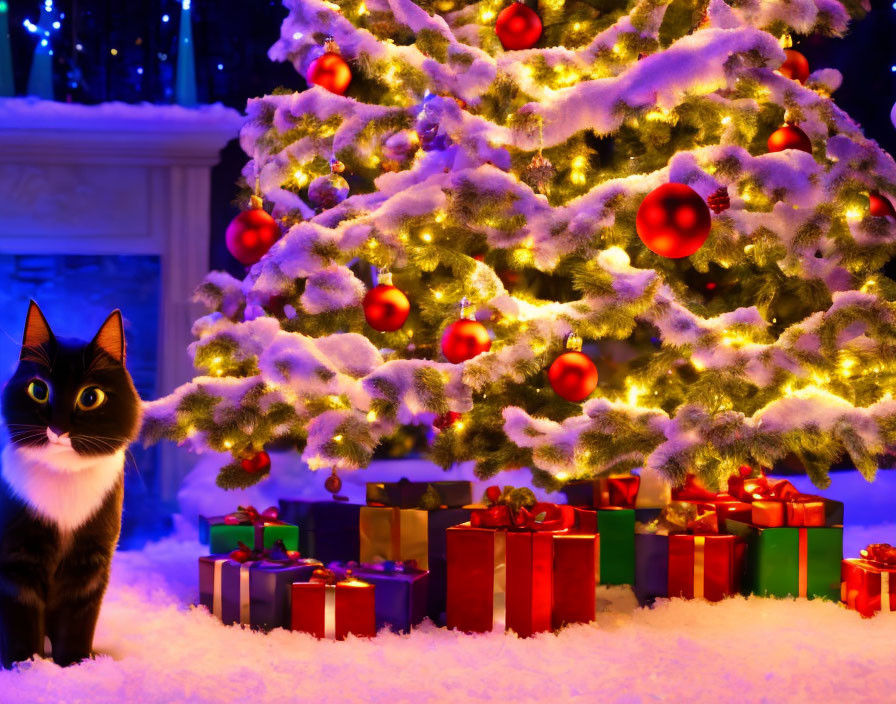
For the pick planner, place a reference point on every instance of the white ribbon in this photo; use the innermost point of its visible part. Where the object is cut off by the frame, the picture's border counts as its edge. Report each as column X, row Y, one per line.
column 217, row 609
column 330, row 611
column 244, row 592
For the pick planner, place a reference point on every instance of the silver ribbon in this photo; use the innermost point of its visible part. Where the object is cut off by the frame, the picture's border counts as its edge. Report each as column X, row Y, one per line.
column 217, row 608
column 244, row 592
column 330, row 611
column 499, row 590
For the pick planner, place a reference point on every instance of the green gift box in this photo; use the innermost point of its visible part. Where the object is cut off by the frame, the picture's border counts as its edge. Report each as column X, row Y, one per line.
column 791, row 561
column 616, row 528
column 257, row 530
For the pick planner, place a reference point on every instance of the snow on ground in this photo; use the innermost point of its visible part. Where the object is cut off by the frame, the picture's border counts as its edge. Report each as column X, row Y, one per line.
column 155, row 648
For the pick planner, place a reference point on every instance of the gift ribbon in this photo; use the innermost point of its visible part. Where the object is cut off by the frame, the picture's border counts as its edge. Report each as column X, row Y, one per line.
column 245, row 594
column 885, row 591
column 616, row 491
column 597, row 559
column 217, row 607
column 249, row 515
column 330, row 611
column 699, row 565
column 499, row 589
column 881, row 555
column 804, row 563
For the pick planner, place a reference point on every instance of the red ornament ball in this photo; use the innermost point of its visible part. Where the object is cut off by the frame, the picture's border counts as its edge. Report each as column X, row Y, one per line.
column 879, row 206
column 464, row 339
column 330, row 71
column 250, row 235
column 386, row 308
column 518, row 27
column 333, row 483
column 257, row 463
column 573, row 376
column 673, row 221
column 795, row 66
column 789, row 137
column 445, row 420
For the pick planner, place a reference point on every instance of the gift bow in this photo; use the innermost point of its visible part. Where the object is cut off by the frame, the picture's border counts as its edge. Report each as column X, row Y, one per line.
column 750, row 489
column 249, row 515
column 683, row 517
column 517, row 508
column 692, row 490
column 277, row 554
column 882, row 554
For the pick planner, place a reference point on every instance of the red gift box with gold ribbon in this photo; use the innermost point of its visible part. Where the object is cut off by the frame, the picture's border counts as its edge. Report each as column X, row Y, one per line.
column 504, row 568
column 868, row 584
column 327, row 608
column 777, row 503
column 703, row 564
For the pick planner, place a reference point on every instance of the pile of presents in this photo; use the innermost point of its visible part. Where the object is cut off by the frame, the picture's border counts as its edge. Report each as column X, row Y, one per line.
column 423, row 549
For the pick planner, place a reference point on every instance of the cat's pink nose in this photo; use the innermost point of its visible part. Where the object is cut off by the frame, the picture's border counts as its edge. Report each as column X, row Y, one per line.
column 58, row 438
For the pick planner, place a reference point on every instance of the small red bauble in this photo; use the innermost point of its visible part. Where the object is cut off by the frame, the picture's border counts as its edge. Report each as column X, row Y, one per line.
column 257, row 463
column 464, row 339
column 795, row 66
column 573, row 376
column 518, row 27
column 719, row 201
column 879, row 206
column 250, row 235
column 330, row 71
column 445, row 420
column 789, row 137
column 673, row 221
column 386, row 308
column 333, row 483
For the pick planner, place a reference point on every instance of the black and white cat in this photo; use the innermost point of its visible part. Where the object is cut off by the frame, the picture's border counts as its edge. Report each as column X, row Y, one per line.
column 71, row 411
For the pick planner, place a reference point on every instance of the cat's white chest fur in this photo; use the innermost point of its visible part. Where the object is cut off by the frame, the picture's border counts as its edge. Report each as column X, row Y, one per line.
column 60, row 485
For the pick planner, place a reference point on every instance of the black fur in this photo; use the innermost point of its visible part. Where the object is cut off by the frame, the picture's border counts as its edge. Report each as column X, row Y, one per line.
column 52, row 582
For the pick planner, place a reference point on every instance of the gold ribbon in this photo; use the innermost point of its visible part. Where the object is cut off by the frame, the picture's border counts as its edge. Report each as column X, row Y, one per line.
column 499, row 590
column 330, row 611
column 597, row 559
column 885, row 591
column 699, row 565
column 804, row 563
column 217, row 608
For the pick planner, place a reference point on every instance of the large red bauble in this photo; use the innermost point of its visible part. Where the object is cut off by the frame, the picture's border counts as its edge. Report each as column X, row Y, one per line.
column 879, row 206
column 386, row 308
column 518, row 27
column 673, row 221
column 464, row 339
column 795, row 66
column 330, row 71
column 257, row 463
column 250, row 235
column 573, row 376
column 789, row 137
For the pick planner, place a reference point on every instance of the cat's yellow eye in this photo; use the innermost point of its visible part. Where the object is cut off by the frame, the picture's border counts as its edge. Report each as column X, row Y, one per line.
column 38, row 391
column 90, row 398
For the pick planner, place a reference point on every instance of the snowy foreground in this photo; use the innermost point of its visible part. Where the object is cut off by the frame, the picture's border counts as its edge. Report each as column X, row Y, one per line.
column 156, row 648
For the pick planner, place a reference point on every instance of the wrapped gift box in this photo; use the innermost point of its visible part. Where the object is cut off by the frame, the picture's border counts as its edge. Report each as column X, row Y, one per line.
column 401, row 592
column 425, row 495
column 248, row 526
column 617, row 545
column 868, row 584
column 651, row 566
column 704, row 566
column 334, row 610
column 499, row 579
column 791, row 561
column 205, row 522
column 777, row 503
column 328, row 530
column 619, row 492
column 576, row 573
column 403, row 535
column 255, row 593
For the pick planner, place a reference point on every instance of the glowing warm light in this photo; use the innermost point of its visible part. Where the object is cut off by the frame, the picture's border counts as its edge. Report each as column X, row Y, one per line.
column 487, row 15
column 228, row 444
column 562, row 476
column 337, row 438
column 698, row 365
column 440, row 216
column 632, row 396
column 438, row 295
column 301, row 178
column 726, row 120
column 371, row 416
column 539, row 347
column 459, row 425
column 373, row 244
column 426, row 237
column 853, row 214
column 362, row 9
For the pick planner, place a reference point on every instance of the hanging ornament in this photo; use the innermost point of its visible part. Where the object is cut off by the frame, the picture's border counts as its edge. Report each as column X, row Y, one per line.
column 328, row 191
column 385, row 306
column 795, row 66
column 330, row 70
column 573, row 375
column 879, row 206
column 445, row 420
column 719, row 201
column 465, row 338
column 333, row 483
column 539, row 173
column 251, row 233
column 789, row 137
column 256, row 463
column 518, row 27
column 673, row 221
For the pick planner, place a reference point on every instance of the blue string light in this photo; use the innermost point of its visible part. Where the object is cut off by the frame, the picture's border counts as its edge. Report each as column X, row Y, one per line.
column 165, row 18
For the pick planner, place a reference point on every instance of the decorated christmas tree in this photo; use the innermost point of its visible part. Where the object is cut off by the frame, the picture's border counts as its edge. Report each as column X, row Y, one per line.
column 576, row 237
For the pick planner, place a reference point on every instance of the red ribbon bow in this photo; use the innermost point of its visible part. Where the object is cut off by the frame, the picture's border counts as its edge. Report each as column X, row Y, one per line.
column 693, row 490
column 882, row 554
column 749, row 489
column 249, row 515
column 543, row 516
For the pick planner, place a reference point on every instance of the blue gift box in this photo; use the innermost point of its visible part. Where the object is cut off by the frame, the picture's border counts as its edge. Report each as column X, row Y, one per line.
column 400, row 595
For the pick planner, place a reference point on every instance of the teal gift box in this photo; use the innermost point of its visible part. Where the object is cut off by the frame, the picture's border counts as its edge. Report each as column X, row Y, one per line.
column 791, row 561
column 248, row 526
column 616, row 528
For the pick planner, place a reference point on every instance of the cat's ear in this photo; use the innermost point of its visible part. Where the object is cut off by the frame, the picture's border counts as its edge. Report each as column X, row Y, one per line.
column 110, row 338
column 37, row 330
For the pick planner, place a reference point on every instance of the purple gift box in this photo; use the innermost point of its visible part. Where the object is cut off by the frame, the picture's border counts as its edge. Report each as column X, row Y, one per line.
column 651, row 567
column 401, row 592
column 255, row 593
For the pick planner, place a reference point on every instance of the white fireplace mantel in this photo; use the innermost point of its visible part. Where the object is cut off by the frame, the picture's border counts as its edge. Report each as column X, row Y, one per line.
column 118, row 179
